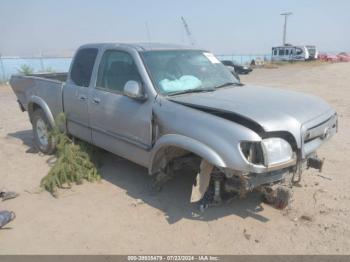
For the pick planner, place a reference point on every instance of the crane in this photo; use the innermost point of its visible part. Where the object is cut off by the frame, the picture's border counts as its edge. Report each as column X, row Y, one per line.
column 188, row 32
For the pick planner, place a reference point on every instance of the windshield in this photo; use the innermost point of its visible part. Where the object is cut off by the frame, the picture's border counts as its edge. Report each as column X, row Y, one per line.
column 181, row 71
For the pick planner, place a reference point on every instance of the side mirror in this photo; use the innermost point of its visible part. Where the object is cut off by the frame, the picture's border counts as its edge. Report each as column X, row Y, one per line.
column 133, row 90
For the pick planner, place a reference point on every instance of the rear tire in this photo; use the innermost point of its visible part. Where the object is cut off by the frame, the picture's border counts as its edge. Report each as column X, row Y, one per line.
column 41, row 129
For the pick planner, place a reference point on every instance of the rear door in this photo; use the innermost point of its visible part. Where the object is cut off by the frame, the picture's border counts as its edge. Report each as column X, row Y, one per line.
column 76, row 93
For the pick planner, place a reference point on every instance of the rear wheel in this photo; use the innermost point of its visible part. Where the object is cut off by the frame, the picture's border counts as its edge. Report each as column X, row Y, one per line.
column 41, row 129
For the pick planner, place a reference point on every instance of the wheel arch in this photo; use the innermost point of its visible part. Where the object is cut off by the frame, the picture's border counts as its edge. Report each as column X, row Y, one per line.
column 36, row 102
column 183, row 143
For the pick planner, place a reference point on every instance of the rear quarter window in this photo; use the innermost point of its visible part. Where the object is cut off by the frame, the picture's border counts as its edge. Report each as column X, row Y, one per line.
column 83, row 65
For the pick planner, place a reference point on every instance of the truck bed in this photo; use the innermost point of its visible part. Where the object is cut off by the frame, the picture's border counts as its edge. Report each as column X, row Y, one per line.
column 47, row 86
column 62, row 77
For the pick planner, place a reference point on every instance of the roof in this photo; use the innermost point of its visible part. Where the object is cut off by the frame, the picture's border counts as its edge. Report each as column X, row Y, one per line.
column 142, row 46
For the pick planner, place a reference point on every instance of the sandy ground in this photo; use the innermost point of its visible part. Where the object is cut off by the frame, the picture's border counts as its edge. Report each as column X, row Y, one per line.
column 120, row 216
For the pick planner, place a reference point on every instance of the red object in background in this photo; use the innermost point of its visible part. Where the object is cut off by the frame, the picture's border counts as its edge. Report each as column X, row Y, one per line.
column 328, row 57
column 322, row 56
column 343, row 57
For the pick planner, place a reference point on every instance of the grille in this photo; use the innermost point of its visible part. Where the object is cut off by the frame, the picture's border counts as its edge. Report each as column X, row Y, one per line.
column 315, row 136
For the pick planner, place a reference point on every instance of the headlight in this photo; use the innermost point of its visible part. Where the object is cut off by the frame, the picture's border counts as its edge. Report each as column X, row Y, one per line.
column 268, row 152
column 253, row 153
column 276, row 151
column 245, row 67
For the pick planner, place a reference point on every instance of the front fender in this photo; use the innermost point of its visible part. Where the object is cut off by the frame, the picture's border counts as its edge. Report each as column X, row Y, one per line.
column 43, row 105
column 185, row 143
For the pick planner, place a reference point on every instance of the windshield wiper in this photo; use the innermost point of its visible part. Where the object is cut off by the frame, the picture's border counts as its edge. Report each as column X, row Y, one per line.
column 198, row 90
column 228, row 84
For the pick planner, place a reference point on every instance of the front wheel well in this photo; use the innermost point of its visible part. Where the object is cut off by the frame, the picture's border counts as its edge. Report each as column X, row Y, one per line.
column 168, row 154
column 174, row 145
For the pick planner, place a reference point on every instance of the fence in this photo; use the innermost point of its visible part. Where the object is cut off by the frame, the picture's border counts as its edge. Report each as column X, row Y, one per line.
column 245, row 59
column 11, row 65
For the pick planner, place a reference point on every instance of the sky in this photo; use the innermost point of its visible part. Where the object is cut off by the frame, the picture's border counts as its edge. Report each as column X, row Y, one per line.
column 31, row 27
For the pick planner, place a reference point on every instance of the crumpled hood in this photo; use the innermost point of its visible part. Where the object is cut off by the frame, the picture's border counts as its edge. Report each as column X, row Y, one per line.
column 271, row 108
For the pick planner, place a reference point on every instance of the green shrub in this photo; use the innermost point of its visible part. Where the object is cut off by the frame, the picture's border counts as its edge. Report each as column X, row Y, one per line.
column 73, row 162
column 25, row 70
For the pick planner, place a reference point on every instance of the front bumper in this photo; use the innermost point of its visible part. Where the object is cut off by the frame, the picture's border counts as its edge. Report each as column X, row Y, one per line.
column 256, row 180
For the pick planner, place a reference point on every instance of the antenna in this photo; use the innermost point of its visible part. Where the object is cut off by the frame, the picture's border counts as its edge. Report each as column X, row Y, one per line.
column 188, row 31
column 285, row 26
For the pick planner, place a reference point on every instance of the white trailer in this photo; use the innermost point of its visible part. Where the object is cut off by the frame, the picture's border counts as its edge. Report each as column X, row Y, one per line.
column 294, row 53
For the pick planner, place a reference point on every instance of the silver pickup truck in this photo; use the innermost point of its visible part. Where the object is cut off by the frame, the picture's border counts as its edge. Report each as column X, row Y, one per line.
column 167, row 106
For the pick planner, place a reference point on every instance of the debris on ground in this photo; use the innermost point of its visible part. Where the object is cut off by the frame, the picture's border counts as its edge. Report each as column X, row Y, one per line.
column 306, row 218
column 325, row 177
column 315, row 194
column 279, row 197
column 6, row 217
column 6, row 195
column 246, row 235
column 138, row 202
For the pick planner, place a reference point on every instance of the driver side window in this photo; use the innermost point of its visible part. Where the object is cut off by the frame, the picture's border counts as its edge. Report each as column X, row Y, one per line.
column 116, row 68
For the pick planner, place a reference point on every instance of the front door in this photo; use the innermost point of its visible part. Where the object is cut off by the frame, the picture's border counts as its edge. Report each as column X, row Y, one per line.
column 76, row 94
column 119, row 123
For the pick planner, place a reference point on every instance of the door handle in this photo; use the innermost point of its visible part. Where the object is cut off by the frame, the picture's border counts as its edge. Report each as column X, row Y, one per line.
column 96, row 100
column 82, row 97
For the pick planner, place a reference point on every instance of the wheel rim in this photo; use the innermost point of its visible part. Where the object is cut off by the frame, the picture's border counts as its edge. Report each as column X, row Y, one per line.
column 42, row 132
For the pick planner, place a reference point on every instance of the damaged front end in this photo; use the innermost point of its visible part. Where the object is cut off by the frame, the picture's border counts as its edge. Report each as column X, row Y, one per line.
column 233, row 155
column 222, row 185
column 275, row 165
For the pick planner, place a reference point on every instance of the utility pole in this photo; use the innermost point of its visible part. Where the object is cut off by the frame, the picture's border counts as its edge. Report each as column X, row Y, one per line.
column 285, row 26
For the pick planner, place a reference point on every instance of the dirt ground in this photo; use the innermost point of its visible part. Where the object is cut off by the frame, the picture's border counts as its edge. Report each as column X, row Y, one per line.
column 120, row 216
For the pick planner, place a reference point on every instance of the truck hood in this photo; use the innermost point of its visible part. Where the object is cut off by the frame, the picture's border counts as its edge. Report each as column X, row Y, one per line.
column 260, row 108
